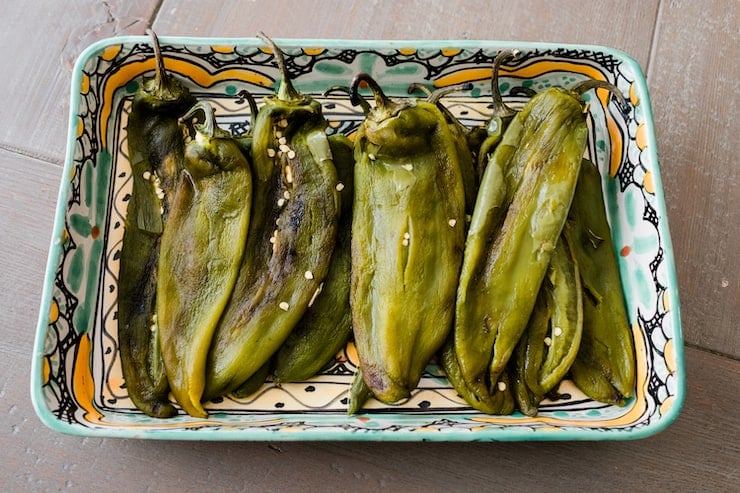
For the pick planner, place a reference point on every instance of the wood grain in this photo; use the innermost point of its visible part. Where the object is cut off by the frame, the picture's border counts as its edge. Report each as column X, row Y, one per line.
column 41, row 41
column 694, row 84
column 580, row 21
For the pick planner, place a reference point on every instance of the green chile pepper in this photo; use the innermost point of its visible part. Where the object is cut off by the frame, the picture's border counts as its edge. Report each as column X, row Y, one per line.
column 202, row 246
column 551, row 340
column 604, row 368
column 156, row 150
column 407, row 239
column 291, row 236
column 524, row 361
column 327, row 324
column 504, row 266
column 563, row 289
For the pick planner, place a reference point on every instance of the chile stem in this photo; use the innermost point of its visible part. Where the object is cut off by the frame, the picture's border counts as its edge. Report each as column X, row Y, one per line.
column 438, row 94
column 499, row 108
column 588, row 84
column 417, row 86
column 381, row 100
column 345, row 89
column 286, row 92
column 208, row 126
column 247, row 96
column 163, row 80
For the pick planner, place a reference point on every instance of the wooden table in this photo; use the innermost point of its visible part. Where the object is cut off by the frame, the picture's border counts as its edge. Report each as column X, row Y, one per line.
column 689, row 51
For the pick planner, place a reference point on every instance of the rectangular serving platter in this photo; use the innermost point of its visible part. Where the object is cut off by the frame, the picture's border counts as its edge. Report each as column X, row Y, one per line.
column 76, row 381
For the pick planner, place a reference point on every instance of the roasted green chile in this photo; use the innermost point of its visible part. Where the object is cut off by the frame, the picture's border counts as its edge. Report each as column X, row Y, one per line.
column 201, row 250
column 291, row 236
column 327, row 324
column 552, row 337
column 407, row 239
column 604, row 368
column 520, row 212
column 156, row 149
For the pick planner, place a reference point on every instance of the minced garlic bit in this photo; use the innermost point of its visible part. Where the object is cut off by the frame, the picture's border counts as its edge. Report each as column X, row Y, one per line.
column 270, row 152
column 548, row 341
column 452, row 222
column 501, row 386
column 278, row 134
column 286, row 195
column 406, row 235
column 281, row 202
column 284, row 306
column 340, row 186
column 282, row 141
column 405, row 242
column 557, row 331
column 371, row 157
column 308, row 274
column 146, row 175
column 284, row 147
column 283, row 123
column 407, row 167
column 291, row 154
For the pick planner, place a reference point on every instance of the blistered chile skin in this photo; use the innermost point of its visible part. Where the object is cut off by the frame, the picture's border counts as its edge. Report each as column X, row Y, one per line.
column 604, row 368
column 156, row 150
column 407, row 241
column 522, row 205
column 201, row 250
column 291, row 237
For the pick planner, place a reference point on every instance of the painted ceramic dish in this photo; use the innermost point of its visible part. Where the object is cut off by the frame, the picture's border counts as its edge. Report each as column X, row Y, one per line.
column 77, row 385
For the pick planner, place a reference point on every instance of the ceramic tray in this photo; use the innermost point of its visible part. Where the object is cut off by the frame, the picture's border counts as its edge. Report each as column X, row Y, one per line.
column 76, row 380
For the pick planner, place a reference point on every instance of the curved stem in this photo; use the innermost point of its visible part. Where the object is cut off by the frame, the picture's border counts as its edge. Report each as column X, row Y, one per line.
column 345, row 89
column 435, row 96
column 381, row 100
column 286, row 92
column 208, row 126
column 499, row 108
column 246, row 95
column 417, row 86
column 522, row 91
column 160, row 73
column 588, row 84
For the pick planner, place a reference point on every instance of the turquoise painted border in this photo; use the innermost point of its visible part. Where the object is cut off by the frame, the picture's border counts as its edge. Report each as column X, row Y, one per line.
column 255, row 434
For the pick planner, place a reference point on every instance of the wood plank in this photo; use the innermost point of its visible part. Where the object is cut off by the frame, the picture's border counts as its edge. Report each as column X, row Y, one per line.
column 700, row 451
column 28, row 192
column 630, row 27
column 694, row 86
column 41, row 41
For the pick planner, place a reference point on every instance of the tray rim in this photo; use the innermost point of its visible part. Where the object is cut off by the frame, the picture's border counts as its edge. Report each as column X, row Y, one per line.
column 256, row 434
